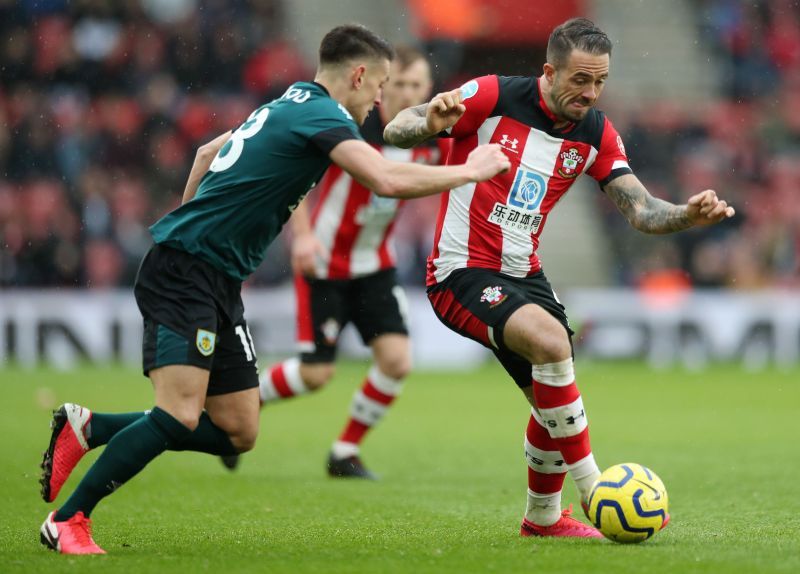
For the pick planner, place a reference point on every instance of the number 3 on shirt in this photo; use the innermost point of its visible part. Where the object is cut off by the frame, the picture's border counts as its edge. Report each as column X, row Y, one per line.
column 232, row 149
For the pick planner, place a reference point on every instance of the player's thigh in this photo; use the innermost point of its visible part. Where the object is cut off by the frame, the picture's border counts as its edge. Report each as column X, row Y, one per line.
column 326, row 313
column 180, row 390
column 237, row 414
column 232, row 399
column 378, row 306
column 392, row 354
column 476, row 303
column 177, row 297
column 540, row 332
column 234, row 368
column 533, row 333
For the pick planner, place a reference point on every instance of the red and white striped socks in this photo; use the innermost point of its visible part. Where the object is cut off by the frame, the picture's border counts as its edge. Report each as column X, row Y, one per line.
column 282, row 381
column 368, row 407
column 546, row 472
column 561, row 413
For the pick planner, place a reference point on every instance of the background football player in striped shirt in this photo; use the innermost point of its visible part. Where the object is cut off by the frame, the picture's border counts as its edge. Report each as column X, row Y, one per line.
column 344, row 262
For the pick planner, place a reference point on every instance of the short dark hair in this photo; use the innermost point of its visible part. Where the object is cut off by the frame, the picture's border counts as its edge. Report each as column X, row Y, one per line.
column 576, row 34
column 405, row 55
column 352, row 41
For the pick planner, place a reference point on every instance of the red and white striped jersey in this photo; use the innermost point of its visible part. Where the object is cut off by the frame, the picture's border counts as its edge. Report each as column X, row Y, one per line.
column 354, row 224
column 497, row 224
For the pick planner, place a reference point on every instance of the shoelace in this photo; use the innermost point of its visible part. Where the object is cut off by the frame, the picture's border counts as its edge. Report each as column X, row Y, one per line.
column 82, row 530
column 567, row 512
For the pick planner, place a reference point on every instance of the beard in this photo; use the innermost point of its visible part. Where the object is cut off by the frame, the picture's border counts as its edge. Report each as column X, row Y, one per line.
column 565, row 110
column 574, row 115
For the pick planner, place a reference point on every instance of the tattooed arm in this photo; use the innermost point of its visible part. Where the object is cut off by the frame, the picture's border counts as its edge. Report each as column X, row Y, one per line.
column 408, row 128
column 649, row 214
column 415, row 125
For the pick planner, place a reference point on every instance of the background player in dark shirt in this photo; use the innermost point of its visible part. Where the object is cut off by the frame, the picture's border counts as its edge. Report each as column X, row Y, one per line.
column 485, row 280
column 197, row 349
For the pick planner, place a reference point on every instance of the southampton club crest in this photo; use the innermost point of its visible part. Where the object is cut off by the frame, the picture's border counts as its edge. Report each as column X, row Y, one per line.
column 493, row 295
column 570, row 163
column 205, row 341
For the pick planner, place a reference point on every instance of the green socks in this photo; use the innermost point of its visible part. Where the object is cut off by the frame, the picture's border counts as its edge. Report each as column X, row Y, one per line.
column 127, row 453
column 103, row 426
column 134, row 439
column 208, row 438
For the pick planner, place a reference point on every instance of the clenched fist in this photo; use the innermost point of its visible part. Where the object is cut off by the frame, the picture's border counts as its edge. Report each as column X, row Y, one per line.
column 487, row 161
column 706, row 208
column 444, row 110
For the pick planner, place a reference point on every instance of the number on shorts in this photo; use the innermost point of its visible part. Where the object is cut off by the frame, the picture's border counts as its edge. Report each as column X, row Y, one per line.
column 247, row 341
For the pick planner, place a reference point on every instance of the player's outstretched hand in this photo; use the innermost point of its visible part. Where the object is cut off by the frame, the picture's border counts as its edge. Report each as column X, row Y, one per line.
column 444, row 110
column 706, row 208
column 488, row 160
column 305, row 248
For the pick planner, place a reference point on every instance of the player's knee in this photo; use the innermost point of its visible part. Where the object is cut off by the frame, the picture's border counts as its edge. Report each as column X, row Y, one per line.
column 187, row 418
column 551, row 349
column 186, row 414
column 396, row 367
column 243, row 433
column 556, row 349
column 317, row 376
column 245, row 439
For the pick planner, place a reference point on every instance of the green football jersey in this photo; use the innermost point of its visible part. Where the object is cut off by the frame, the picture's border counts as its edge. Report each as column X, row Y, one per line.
column 257, row 179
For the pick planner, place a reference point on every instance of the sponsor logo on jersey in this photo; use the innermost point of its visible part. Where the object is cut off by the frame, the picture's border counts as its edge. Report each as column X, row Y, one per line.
column 509, row 144
column 469, row 89
column 205, row 341
column 527, row 191
column 378, row 210
column 494, row 296
column 513, row 219
column 330, row 330
column 570, row 163
column 524, row 199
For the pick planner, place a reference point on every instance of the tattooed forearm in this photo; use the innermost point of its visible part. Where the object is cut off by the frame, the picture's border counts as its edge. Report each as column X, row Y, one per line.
column 660, row 216
column 408, row 128
column 644, row 212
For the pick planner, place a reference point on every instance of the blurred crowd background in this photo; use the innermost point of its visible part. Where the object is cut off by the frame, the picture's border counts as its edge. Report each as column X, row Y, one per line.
column 103, row 104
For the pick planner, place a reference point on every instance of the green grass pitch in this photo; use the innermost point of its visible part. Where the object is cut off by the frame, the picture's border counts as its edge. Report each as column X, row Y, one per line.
column 452, row 492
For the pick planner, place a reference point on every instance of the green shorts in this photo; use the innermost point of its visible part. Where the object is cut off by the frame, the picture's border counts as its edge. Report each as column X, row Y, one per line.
column 194, row 315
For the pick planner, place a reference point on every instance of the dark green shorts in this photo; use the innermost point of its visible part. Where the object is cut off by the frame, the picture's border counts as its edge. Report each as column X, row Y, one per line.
column 193, row 315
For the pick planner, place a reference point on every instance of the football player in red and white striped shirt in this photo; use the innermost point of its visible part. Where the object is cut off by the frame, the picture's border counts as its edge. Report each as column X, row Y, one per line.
column 345, row 272
column 484, row 278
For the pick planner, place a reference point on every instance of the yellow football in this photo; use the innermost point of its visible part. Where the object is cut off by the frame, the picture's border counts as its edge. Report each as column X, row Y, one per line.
column 628, row 503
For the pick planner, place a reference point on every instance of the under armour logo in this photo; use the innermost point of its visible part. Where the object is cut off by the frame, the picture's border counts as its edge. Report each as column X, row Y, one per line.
column 573, row 419
column 505, row 141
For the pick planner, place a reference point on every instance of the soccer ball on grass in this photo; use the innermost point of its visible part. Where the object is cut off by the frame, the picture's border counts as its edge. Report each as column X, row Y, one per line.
column 628, row 503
